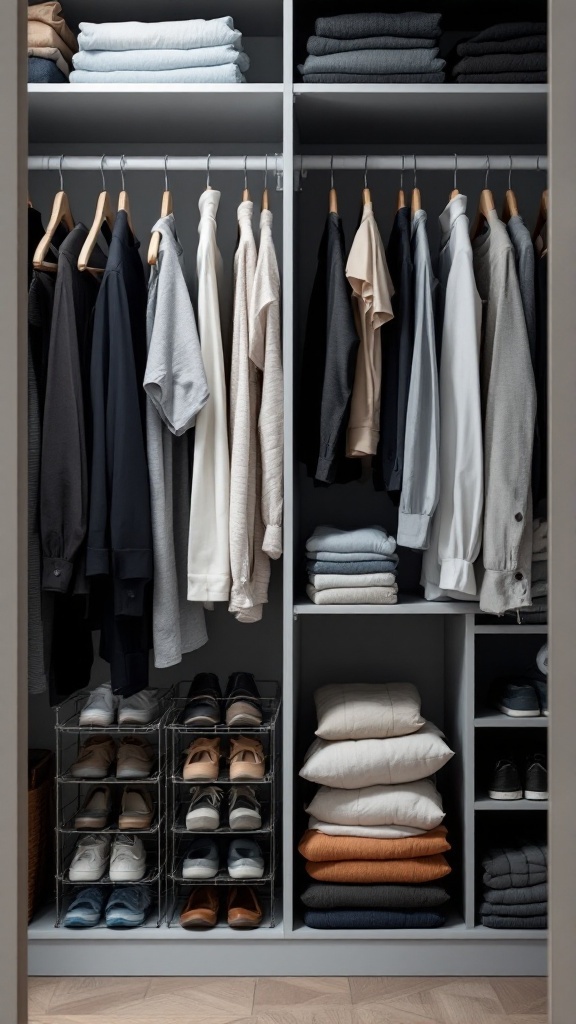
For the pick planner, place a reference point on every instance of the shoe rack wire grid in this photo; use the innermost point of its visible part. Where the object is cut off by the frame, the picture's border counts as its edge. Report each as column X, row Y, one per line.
column 71, row 792
column 179, row 737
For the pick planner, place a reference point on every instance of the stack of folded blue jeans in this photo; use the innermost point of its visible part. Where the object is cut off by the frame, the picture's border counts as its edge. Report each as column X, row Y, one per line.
column 352, row 566
column 513, row 52
column 162, row 52
column 375, row 48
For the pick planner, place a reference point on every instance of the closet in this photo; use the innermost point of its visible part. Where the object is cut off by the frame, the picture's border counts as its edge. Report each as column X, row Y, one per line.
column 301, row 134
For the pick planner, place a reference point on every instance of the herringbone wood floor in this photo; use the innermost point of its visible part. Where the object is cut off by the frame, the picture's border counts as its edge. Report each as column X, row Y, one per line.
column 287, row 1001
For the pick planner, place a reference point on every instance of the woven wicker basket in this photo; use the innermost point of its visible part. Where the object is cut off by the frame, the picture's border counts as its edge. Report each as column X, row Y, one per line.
column 40, row 846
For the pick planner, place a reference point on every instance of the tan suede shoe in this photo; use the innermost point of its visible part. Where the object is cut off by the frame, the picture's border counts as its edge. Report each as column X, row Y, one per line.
column 244, row 910
column 202, row 760
column 246, row 759
column 95, row 758
column 137, row 808
column 135, row 758
column 201, row 909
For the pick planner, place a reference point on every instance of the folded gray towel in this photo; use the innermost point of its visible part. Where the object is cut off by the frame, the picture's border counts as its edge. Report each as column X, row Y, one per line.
column 515, row 911
column 516, row 866
column 376, row 79
column 504, row 78
column 495, row 63
column 374, row 62
column 527, row 44
column 494, row 921
column 325, row 896
column 319, row 46
column 510, row 30
column 516, row 895
column 354, row 26
column 344, row 568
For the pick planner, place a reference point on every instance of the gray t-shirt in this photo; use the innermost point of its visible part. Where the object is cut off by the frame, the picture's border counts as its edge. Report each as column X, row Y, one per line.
column 175, row 383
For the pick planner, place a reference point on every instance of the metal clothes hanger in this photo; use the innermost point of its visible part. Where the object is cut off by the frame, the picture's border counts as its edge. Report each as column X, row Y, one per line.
column 123, row 200
column 245, row 193
column 333, row 198
column 366, row 197
column 265, row 196
column 208, row 185
column 416, row 197
column 542, row 209
column 104, row 215
column 401, row 200
column 61, row 214
column 455, row 191
column 166, row 209
column 510, row 208
column 485, row 204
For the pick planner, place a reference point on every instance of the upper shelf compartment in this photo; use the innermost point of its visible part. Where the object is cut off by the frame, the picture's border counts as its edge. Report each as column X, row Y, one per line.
column 438, row 115
column 149, row 113
column 252, row 17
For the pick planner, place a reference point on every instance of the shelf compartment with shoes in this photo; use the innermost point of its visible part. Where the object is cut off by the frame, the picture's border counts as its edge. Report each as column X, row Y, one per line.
column 140, row 773
column 210, row 802
column 182, row 891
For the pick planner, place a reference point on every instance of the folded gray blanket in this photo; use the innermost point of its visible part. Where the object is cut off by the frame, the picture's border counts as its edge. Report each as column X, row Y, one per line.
column 495, row 63
column 374, row 62
column 495, row 921
column 382, row 79
column 527, row 44
column 326, row 896
column 516, row 866
column 510, row 30
column 354, row 26
column 319, row 46
column 515, row 896
column 362, row 919
column 351, row 568
column 511, row 78
column 519, row 911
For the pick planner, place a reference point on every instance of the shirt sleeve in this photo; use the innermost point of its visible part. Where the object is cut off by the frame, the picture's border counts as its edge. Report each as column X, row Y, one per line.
column 64, row 470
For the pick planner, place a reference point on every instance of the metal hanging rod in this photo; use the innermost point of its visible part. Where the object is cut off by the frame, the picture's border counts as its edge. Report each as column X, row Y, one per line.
column 273, row 162
column 425, row 163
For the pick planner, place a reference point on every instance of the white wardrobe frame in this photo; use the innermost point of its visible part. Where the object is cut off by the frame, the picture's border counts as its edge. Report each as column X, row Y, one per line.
column 286, row 952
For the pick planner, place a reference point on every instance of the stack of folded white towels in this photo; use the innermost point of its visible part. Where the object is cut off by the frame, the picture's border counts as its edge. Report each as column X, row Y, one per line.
column 351, row 566
column 166, row 51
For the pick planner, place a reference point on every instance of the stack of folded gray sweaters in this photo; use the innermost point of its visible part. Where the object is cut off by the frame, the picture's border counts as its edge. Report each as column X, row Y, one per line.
column 400, row 48
column 352, row 566
column 514, row 52
column 515, row 887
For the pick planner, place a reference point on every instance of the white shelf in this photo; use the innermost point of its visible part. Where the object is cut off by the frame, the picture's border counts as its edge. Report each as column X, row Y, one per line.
column 454, row 929
column 250, row 112
column 258, row 17
column 486, row 804
column 407, row 605
column 43, row 927
column 432, row 114
column 496, row 720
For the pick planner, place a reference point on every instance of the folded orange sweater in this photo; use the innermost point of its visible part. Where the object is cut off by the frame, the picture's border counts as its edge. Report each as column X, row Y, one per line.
column 318, row 847
column 414, row 869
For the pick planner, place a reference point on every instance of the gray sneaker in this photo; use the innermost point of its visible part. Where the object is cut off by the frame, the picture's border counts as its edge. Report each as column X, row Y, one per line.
column 245, row 859
column 201, row 860
column 519, row 700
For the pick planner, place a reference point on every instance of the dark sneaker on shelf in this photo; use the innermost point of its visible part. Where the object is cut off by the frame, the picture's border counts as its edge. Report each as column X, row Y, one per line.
column 244, row 813
column 203, row 814
column 519, row 700
column 243, row 704
column 203, row 708
column 536, row 786
column 505, row 783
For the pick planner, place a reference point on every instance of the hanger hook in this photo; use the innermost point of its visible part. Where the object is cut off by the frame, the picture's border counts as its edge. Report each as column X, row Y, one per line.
column 366, row 172
column 266, row 171
column 122, row 166
column 102, row 172
column 208, row 171
column 415, row 172
column 402, row 174
column 60, row 172
column 331, row 172
column 245, row 174
column 510, row 174
column 166, row 189
column 487, row 172
column 455, row 170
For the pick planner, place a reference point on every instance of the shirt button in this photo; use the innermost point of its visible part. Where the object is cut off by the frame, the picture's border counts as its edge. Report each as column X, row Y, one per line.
column 131, row 593
column 518, row 517
column 519, row 576
column 56, row 572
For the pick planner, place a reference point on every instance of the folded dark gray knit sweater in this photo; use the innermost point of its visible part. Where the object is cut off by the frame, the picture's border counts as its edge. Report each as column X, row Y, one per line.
column 319, row 46
column 354, row 26
column 327, row 896
column 516, row 866
column 319, row 567
column 510, row 30
column 374, row 62
column 526, row 44
column 376, row 79
column 363, row 919
column 516, row 895
column 493, row 63
column 510, row 78
column 495, row 921
column 520, row 910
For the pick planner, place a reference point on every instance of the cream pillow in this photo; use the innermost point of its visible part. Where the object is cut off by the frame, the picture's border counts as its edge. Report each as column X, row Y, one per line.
column 348, row 764
column 410, row 805
column 365, row 831
column 362, row 711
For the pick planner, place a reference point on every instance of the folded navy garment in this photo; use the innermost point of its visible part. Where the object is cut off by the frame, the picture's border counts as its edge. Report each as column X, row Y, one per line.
column 520, row 910
column 512, row 78
column 511, row 30
column 329, row 896
column 516, row 866
column 45, row 72
column 494, row 63
column 516, row 895
column 367, row 79
column 527, row 44
column 374, row 62
column 319, row 46
column 354, row 26
column 495, row 921
column 352, row 568
column 373, row 919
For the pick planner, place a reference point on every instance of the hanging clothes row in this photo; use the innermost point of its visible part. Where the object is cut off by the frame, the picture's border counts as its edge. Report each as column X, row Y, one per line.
column 438, row 375
column 154, row 492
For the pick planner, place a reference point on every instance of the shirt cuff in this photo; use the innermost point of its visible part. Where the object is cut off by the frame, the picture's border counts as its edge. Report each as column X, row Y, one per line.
column 361, row 441
column 207, row 588
column 457, row 574
column 413, row 530
column 57, row 574
column 504, row 590
column 272, row 544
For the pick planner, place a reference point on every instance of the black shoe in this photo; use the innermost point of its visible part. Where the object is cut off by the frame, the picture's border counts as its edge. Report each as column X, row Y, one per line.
column 243, row 705
column 536, row 787
column 505, row 784
column 204, row 696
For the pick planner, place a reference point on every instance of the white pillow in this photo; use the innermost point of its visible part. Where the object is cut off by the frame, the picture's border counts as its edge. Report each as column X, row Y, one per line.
column 413, row 805
column 348, row 764
column 365, row 831
column 361, row 711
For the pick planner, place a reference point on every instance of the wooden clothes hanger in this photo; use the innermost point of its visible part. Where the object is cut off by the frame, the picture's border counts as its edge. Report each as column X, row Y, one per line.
column 333, row 197
column 416, row 197
column 265, row 197
column 61, row 214
column 103, row 215
column 542, row 209
column 165, row 209
column 123, row 199
column 454, row 191
column 401, row 198
column 486, row 205
column 510, row 208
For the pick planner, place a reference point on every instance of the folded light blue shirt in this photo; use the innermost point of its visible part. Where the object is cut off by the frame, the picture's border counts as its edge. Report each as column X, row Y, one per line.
column 222, row 73
column 165, row 35
column 368, row 539
column 160, row 60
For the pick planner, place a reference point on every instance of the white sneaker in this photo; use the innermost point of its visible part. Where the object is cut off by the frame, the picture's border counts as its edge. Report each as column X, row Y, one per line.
column 90, row 859
column 127, row 860
column 100, row 707
column 139, row 709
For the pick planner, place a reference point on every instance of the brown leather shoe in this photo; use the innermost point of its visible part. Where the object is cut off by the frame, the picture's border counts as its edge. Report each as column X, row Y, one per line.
column 201, row 909
column 244, row 910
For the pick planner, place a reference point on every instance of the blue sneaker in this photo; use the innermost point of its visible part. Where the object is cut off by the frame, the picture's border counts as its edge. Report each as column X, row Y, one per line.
column 86, row 908
column 517, row 699
column 128, row 907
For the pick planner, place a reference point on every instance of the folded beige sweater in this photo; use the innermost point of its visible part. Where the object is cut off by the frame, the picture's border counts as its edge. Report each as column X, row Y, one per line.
column 49, row 14
column 354, row 595
column 50, row 53
column 41, row 35
column 334, row 581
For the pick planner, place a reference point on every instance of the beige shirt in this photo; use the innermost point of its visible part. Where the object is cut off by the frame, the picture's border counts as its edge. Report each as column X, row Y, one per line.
column 372, row 291
column 49, row 14
column 41, row 36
